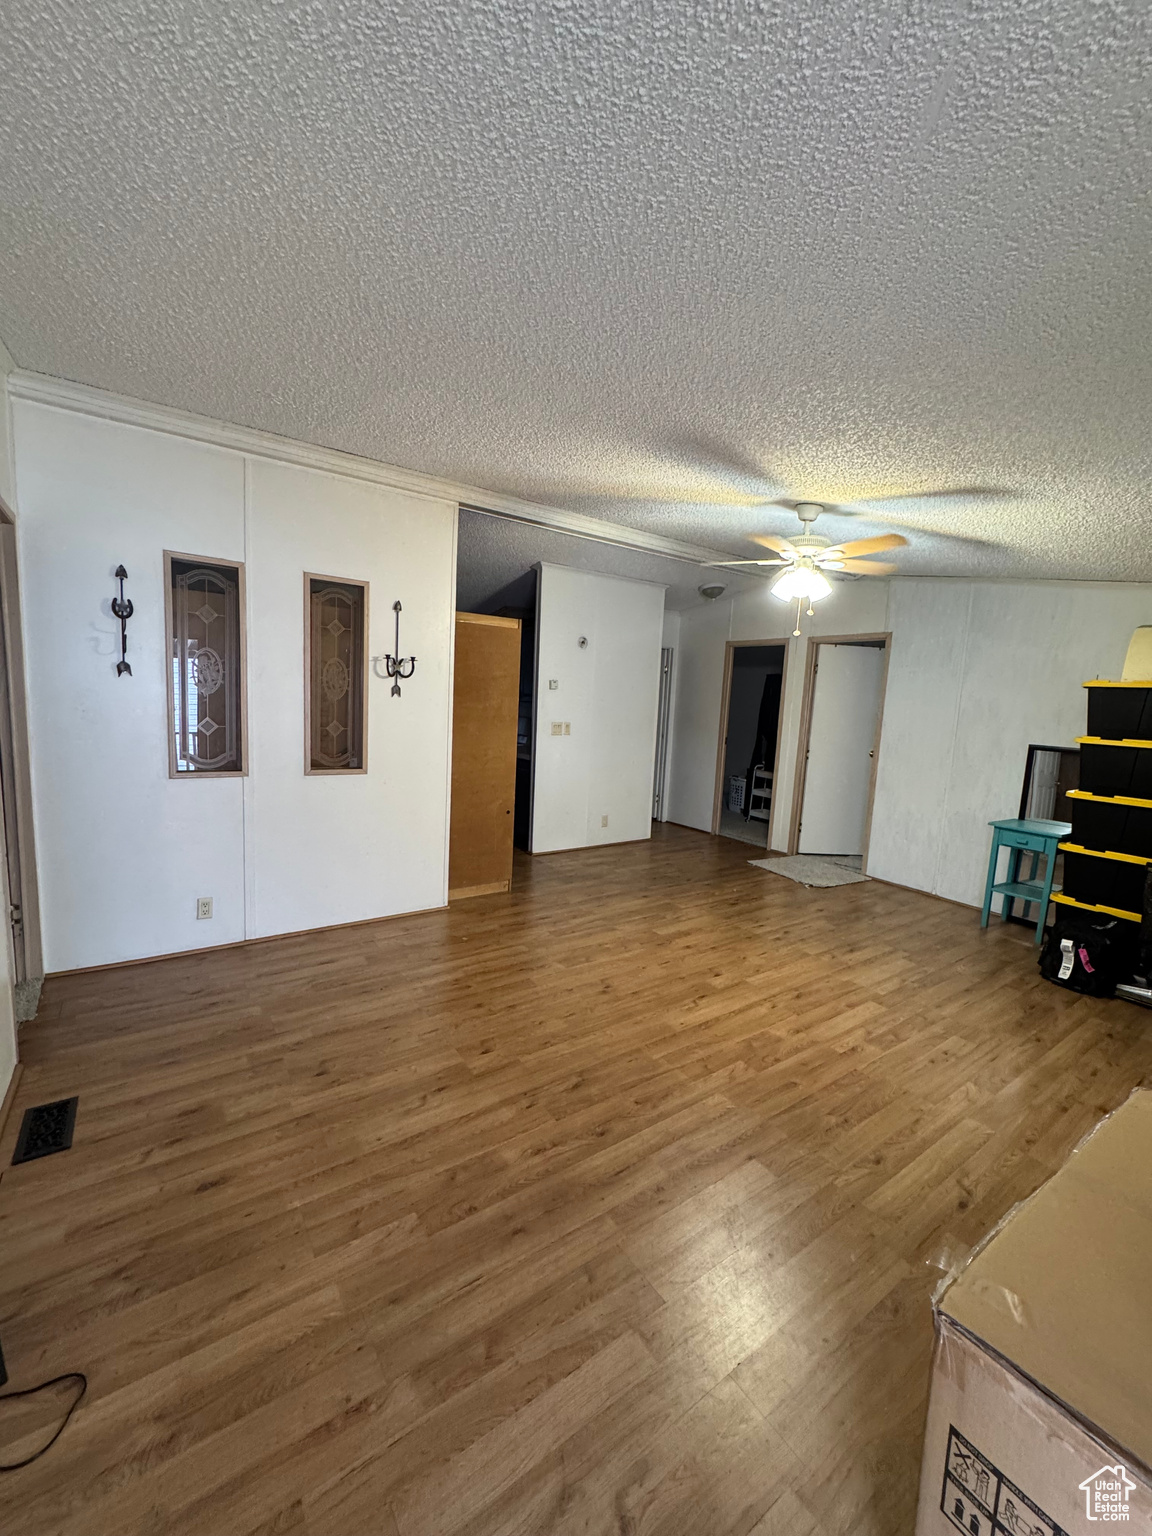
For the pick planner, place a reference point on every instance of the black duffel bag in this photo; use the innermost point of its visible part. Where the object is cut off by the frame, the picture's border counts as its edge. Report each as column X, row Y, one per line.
column 1088, row 952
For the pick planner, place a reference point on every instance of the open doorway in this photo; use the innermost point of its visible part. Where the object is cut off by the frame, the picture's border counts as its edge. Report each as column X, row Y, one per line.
column 839, row 743
column 526, row 710
column 749, row 740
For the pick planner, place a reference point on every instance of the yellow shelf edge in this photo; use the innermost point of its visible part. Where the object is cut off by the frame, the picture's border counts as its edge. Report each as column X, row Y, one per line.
column 1099, row 853
column 1086, row 794
column 1070, row 901
column 1099, row 682
column 1108, row 741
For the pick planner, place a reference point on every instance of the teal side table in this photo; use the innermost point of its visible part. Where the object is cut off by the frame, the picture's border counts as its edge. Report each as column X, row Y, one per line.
column 1038, row 838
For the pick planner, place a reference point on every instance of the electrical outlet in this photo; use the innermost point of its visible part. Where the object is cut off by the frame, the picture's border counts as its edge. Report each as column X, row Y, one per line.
column 603, row 821
column 203, row 907
column 557, row 727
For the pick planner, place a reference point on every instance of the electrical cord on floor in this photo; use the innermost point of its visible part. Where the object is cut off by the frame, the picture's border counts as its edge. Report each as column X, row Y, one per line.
column 14, row 1466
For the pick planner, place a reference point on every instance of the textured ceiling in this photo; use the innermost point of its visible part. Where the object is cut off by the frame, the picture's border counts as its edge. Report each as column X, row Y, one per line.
column 652, row 263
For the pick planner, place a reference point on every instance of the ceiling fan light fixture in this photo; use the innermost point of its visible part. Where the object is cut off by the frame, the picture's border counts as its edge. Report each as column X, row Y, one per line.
column 801, row 582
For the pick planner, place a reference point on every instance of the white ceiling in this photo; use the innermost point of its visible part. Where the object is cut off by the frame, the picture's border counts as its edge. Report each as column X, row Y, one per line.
column 648, row 263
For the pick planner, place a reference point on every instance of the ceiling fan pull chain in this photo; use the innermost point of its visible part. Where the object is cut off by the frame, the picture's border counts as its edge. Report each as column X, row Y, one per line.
column 799, row 601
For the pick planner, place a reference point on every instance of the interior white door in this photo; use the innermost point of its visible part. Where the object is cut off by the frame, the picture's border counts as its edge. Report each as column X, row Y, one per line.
column 845, row 703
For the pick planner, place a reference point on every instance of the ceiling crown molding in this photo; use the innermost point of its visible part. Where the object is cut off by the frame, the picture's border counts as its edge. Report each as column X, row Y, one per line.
column 60, row 394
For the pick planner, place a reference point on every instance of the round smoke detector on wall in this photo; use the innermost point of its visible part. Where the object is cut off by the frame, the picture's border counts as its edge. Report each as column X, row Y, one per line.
column 712, row 590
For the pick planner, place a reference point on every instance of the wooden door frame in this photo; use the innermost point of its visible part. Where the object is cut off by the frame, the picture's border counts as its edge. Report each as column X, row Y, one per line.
column 730, row 649
column 21, row 762
column 664, row 704
column 800, row 776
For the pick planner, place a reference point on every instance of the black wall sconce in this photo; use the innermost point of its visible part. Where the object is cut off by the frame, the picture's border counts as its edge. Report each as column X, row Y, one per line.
column 399, row 666
column 396, row 667
column 122, row 609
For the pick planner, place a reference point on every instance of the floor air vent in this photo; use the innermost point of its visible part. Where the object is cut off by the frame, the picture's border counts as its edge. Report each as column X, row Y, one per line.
column 45, row 1128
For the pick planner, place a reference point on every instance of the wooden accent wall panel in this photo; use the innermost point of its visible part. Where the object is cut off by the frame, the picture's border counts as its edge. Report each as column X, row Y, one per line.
column 486, row 700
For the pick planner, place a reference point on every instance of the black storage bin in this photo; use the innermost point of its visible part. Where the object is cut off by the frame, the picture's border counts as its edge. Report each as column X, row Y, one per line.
column 1111, row 826
column 1120, row 713
column 1104, row 882
column 1115, row 770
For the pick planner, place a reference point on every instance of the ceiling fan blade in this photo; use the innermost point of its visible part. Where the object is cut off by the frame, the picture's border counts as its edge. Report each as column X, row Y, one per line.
column 856, row 547
column 770, row 541
column 867, row 567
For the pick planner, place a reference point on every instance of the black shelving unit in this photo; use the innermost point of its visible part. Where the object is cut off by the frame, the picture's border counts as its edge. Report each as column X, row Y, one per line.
column 1107, row 854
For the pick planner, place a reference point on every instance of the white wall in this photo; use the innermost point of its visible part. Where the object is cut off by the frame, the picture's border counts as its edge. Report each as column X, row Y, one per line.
column 609, row 694
column 859, row 607
column 123, row 850
column 978, row 670
column 365, row 844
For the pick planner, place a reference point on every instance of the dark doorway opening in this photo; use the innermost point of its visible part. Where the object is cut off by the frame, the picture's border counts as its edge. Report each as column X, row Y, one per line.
column 524, row 609
column 751, row 730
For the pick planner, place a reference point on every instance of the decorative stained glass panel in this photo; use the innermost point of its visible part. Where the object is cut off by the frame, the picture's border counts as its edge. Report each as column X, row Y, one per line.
column 206, row 666
column 337, row 674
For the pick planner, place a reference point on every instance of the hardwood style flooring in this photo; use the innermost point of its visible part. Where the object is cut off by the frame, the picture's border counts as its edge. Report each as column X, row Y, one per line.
column 612, row 1205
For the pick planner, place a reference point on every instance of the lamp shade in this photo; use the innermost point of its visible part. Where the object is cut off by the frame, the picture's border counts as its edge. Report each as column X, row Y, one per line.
column 801, row 581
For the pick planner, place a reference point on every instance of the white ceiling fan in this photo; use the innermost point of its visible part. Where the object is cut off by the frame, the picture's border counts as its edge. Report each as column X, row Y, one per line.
column 806, row 556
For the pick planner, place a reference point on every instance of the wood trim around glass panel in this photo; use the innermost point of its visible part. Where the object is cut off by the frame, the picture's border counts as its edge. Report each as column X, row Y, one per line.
column 208, row 561
column 362, row 690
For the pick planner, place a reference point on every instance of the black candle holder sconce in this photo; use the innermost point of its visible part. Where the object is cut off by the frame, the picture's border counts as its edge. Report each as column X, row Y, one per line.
column 123, row 610
column 396, row 667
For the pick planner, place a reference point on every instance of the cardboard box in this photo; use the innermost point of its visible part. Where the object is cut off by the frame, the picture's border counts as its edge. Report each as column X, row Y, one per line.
column 1040, row 1417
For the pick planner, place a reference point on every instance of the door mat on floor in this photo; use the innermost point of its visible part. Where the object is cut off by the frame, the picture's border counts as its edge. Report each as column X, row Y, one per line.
column 26, row 998
column 810, row 869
